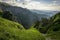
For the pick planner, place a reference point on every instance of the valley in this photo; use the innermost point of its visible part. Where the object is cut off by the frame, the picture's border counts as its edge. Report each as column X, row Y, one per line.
column 17, row 23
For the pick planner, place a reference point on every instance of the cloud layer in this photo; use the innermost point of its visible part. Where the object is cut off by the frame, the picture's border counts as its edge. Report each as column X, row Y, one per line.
column 36, row 4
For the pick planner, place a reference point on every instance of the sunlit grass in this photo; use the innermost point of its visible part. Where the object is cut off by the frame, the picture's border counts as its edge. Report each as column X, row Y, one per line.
column 10, row 30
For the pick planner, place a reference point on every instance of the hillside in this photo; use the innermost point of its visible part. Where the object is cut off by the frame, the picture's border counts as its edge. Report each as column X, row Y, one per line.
column 10, row 30
column 54, row 30
column 50, row 27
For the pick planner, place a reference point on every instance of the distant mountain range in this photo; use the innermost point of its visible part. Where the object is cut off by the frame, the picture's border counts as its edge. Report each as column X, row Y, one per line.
column 24, row 16
column 46, row 12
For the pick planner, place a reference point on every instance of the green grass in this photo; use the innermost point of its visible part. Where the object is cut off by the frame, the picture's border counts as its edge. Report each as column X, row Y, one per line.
column 31, row 34
column 10, row 30
column 54, row 35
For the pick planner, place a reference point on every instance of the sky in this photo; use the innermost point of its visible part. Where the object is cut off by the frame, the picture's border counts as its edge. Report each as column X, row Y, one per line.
column 53, row 5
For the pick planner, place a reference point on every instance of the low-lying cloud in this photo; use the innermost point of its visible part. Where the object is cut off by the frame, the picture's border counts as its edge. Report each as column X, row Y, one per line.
column 38, row 5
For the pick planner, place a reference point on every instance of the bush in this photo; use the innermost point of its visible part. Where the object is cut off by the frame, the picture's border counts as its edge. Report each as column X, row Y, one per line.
column 1, row 12
column 8, row 15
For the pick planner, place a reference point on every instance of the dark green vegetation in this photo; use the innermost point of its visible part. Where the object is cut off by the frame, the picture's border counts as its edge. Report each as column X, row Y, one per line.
column 8, row 15
column 50, row 27
column 43, row 25
column 54, row 30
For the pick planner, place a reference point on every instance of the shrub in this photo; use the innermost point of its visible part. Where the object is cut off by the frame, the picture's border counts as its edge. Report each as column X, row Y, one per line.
column 8, row 15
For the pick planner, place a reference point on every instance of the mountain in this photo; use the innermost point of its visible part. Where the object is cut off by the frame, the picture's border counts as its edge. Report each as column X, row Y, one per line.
column 22, row 15
column 46, row 12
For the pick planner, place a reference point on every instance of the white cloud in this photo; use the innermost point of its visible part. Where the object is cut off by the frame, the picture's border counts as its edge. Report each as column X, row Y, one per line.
column 42, row 6
column 54, row 3
column 35, row 5
column 27, row 0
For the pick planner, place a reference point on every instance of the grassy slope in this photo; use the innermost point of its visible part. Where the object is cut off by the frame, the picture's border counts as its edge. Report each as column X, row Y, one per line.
column 13, row 31
column 54, row 31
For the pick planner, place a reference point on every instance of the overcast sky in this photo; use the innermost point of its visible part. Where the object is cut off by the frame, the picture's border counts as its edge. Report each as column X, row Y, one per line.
column 36, row 4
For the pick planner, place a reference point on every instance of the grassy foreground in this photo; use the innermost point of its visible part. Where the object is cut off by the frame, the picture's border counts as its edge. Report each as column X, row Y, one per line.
column 10, row 30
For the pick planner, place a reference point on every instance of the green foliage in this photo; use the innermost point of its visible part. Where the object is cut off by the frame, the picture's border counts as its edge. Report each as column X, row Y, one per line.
column 37, row 24
column 4, row 4
column 54, row 30
column 50, row 26
column 1, row 12
column 7, row 15
column 10, row 30
column 42, row 25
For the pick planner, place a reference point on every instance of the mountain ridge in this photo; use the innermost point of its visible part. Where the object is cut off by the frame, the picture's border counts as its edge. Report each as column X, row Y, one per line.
column 46, row 12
